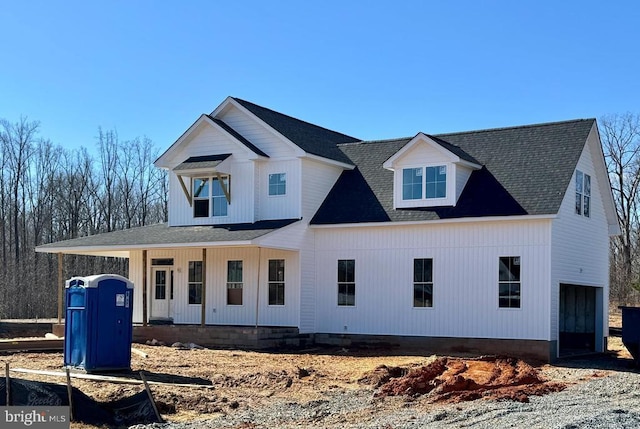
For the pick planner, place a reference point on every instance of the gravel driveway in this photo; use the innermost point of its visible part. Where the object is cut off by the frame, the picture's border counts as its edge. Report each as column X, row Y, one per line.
column 602, row 392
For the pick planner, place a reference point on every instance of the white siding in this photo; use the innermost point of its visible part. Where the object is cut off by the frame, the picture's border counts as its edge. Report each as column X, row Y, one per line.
column 317, row 180
column 135, row 275
column 299, row 236
column 465, row 257
column 218, row 312
column 278, row 206
column 421, row 153
column 581, row 245
column 257, row 134
column 462, row 175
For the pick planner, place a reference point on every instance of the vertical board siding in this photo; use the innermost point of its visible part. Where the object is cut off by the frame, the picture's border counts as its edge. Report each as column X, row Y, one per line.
column 580, row 245
column 462, row 175
column 242, row 199
column 217, row 310
column 278, row 206
column 465, row 259
column 248, row 127
column 317, row 181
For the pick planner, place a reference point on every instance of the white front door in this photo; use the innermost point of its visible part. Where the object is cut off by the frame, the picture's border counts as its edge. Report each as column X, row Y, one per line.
column 162, row 292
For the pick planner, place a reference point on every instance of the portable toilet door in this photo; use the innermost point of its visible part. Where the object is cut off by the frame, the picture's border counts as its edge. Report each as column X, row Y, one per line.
column 75, row 326
column 112, row 313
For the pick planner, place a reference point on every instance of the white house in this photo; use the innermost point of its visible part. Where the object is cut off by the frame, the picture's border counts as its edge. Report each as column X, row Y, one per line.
column 493, row 241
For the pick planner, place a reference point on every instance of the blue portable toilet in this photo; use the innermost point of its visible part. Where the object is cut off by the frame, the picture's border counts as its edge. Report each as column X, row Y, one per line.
column 98, row 326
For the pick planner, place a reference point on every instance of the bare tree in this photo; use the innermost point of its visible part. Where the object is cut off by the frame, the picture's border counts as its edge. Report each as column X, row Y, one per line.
column 621, row 140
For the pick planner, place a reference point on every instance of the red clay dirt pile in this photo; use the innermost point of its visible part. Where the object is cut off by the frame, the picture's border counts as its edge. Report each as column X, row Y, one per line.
column 456, row 380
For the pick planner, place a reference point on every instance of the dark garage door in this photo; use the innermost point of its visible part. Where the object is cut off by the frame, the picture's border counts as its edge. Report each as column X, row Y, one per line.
column 577, row 319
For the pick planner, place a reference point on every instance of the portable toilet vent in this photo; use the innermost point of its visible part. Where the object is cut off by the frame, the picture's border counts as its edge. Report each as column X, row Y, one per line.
column 98, row 325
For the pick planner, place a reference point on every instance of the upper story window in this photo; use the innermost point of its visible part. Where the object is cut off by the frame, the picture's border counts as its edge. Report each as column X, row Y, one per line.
column 424, row 183
column 583, row 194
column 278, row 184
column 210, row 196
column 436, row 181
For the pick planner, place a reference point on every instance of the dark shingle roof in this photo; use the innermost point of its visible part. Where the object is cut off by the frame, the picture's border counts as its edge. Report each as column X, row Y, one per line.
column 238, row 137
column 310, row 138
column 526, row 170
column 161, row 234
column 205, row 161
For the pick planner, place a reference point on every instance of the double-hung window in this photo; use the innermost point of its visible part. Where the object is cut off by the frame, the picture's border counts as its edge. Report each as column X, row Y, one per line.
column 346, row 282
column 234, row 283
column 583, row 194
column 210, row 196
column 509, row 282
column 423, row 282
column 195, row 282
column 278, row 184
column 276, row 282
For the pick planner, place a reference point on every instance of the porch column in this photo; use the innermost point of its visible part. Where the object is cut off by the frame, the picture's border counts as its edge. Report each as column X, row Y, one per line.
column 203, row 307
column 144, row 288
column 60, row 286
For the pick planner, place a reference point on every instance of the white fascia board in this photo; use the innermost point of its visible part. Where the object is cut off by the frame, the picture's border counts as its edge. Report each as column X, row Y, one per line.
column 161, row 162
column 298, row 151
column 420, row 137
column 593, row 139
column 109, row 250
column 328, row 161
column 252, row 154
column 438, row 221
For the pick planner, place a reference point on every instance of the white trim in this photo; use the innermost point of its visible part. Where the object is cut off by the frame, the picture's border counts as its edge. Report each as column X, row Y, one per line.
column 421, row 137
column 329, row 161
column 436, row 221
column 229, row 100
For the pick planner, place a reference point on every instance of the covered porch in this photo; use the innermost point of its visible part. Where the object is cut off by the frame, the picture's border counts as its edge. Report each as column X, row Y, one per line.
column 205, row 276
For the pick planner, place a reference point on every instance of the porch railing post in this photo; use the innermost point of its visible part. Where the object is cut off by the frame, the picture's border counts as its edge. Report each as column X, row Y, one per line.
column 203, row 307
column 144, row 288
column 60, row 286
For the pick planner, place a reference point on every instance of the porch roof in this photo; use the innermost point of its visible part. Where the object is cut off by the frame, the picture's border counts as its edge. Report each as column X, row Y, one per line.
column 119, row 243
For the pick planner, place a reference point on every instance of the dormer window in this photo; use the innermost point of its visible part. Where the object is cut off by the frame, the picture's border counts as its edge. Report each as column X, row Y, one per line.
column 424, row 183
column 436, row 181
column 209, row 196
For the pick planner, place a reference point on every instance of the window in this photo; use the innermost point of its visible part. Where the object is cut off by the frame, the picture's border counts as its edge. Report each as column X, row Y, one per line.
column 162, row 261
column 278, row 184
column 201, row 197
column 209, row 196
column 219, row 198
column 423, row 283
column 276, row 282
column 234, row 283
column 412, row 184
column 436, row 182
column 161, row 284
column 346, row 282
column 583, row 194
column 195, row 282
column 509, row 282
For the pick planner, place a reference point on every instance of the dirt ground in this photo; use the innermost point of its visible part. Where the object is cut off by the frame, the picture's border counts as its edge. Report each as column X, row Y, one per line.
column 243, row 379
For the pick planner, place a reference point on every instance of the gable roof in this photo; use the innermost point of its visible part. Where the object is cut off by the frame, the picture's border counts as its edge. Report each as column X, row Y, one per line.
column 311, row 138
column 451, row 150
column 526, row 171
column 255, row 149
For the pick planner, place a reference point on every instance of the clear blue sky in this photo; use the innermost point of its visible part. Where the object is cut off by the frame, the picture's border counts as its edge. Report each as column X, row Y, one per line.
column 371, row 69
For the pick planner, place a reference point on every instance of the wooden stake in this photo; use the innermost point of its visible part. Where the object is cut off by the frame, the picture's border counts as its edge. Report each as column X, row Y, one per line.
column 153, row 403
column 70, row 395
column 60, row 286
column 8, row 384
